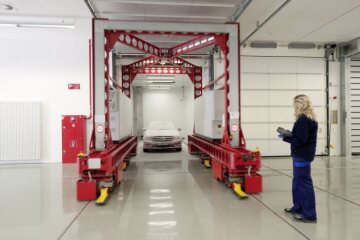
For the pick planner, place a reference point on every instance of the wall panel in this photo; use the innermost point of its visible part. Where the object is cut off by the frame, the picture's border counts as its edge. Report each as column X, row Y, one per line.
column 269, row 85
column 20, row 131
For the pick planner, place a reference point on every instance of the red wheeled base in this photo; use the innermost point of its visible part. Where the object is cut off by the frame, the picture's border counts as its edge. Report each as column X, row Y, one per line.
column 103, row 169
column 233, row 166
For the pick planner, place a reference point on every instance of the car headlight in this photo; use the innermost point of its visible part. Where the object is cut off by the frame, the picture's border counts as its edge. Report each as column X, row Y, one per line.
column 177, row 138
column 147, row 138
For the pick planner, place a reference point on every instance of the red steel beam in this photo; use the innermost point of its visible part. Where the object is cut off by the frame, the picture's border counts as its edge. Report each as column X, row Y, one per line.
column 129, row 39
column 232, row 158
column 163, row 70
column 230, row 165
column 146, row 61
column 154, row 60
column 173, row 33
column 182, row 62
column 139, row 44
column 127, row 76
column 192, row 45
column 115, row 154
column 109, row 44
column 109, row 172
column 196, row 78
column 150, row 62
column 111, row 39
column 145, row 65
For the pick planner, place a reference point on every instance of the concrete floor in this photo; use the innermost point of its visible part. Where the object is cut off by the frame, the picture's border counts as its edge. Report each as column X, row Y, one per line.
column 168, row 196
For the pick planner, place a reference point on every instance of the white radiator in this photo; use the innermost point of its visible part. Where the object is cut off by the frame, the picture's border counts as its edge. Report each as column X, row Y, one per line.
column 20, row 131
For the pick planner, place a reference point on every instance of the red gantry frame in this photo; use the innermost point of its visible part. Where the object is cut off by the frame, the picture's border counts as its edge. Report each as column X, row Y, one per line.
column 101, row 170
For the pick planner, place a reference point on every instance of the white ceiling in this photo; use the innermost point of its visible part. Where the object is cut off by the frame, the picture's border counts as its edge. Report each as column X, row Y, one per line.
column 303, row 20
column 39, row 9
column 317, row 21
column 214, row 11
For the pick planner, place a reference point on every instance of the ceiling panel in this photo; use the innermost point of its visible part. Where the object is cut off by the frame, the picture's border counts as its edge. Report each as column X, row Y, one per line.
column 166, row 10
column 47, row 8
column 181, row 19
column 342, row 29
column 213, row 11
column 124, row 18
column 255, row 13
column 309, row 19
column 102, row 7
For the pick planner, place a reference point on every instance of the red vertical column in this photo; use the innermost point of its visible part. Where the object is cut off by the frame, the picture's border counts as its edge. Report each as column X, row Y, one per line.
column 222, row 41
column 127, row 77
column 197, row 80
column 108, row 139
column 242, row 142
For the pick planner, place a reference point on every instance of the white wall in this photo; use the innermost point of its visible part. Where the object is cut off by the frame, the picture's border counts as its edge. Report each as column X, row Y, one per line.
column 169, row 105
column 334, row 105
column 209, row 112
column 189, row 111
column 137, row 97
column 37, row 65
column 121, row 115
column 308, row 75
column 270, row 78
column 209, row 108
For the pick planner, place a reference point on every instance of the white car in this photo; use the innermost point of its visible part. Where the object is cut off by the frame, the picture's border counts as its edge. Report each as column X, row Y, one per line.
column 161, row 135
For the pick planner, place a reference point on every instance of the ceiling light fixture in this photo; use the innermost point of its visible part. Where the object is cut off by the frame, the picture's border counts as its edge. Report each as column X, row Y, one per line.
column 302, row 45
column 170, row 3
column 263, row 44
column 8, row 25
column 46, row 25
column 159, row 88
column 161, row 81
column 6, row 7
column 160, row 78
column 160, row 85
column 162, row 16
column 36, row 25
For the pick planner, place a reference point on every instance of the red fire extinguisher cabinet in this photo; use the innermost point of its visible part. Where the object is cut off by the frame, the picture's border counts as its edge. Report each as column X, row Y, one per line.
column 73, row 137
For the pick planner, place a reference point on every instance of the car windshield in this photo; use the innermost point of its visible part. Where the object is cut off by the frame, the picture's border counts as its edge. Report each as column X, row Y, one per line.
column 161, row 126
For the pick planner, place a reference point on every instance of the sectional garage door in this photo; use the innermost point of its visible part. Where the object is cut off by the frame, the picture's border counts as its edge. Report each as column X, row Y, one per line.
column 268, row 85
column 355, row 105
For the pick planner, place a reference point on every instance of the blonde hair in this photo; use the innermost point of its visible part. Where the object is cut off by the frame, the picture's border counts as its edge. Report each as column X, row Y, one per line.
column 303, row 106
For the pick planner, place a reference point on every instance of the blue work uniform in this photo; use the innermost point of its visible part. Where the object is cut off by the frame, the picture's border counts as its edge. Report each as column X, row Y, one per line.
column 303, row 147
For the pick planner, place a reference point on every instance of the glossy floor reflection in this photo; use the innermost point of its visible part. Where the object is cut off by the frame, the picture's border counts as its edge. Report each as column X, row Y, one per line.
column 170, row 196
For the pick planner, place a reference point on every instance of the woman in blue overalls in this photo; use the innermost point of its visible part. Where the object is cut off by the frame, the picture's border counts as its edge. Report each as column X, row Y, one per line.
column 303, row 146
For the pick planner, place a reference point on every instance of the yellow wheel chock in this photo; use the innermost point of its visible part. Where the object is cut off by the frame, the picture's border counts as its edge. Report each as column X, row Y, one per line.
column 125, row 165
column 207, row 163
column 238, row 191
column 104, row 194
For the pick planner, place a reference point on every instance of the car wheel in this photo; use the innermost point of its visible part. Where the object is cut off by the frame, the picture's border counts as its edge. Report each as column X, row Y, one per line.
column 146, row 150
column 178, row 149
